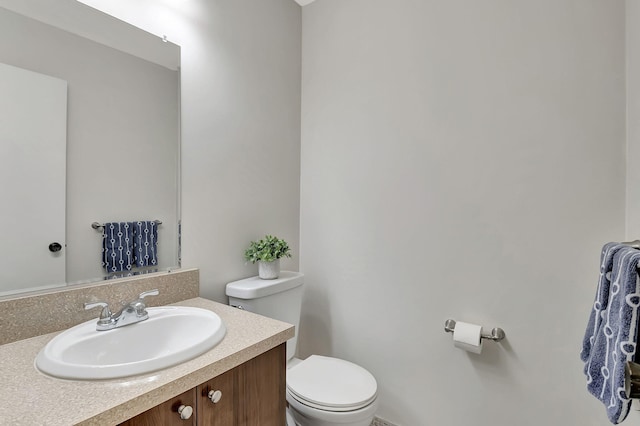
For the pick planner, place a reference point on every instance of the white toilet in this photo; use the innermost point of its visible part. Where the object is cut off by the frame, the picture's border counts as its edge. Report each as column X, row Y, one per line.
column 321, row 391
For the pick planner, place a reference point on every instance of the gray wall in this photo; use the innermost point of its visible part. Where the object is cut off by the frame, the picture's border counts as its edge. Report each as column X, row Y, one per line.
column 633, row 119
column 461, row 160
column 241, row 138
column 122, row 136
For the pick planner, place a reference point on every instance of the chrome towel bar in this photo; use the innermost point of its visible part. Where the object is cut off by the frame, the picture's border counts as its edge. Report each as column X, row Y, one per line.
column 634, row 244
column 98, row 225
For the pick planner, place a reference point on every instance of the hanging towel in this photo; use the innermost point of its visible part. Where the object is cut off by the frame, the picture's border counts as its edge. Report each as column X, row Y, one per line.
column 117, row 246
column 601, row 300
column 146, row 243
column 615, row 341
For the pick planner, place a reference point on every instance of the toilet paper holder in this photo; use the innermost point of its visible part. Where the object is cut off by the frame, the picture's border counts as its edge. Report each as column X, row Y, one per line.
column 496, row 335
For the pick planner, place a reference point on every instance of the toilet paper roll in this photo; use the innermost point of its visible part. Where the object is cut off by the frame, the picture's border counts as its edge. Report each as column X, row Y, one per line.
column 467, row 336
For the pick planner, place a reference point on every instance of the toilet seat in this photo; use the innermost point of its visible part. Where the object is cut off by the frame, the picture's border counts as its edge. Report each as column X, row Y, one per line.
column 331, row 384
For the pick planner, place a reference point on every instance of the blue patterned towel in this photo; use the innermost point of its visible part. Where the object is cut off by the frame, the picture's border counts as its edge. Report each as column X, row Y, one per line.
column 615, row 340
column 146, row 243
column 117, row 246
column 601, row 300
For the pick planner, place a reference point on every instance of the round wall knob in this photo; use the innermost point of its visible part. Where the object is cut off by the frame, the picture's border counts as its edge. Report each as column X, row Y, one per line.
column 185, row 412
column 55, row 247
column 215, row 396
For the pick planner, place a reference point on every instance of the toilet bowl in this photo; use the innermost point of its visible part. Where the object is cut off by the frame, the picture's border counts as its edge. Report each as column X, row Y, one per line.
column 324, row 391
column 321, row 391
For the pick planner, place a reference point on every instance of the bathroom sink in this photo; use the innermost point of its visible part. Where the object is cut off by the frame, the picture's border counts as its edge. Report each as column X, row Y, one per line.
column 171, row 335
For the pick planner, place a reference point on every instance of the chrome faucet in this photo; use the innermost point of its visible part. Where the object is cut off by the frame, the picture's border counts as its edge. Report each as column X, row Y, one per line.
column 130, row 313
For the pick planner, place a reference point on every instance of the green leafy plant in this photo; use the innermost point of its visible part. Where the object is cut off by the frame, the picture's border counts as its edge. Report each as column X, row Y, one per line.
column 268, row 249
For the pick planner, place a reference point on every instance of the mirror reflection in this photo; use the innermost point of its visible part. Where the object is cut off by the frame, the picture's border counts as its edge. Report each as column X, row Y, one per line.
column 88, row 133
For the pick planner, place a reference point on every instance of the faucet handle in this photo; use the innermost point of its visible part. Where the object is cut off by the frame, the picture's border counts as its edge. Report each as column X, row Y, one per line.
column 106, row 312
column 139, row 305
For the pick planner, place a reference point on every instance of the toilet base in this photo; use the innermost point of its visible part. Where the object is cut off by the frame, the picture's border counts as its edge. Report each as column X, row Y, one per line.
column 303, row 415
column 290, row 420
column 295, row 418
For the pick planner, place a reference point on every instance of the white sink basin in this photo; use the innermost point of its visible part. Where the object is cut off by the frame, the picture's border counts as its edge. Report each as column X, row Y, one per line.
column 171, row 335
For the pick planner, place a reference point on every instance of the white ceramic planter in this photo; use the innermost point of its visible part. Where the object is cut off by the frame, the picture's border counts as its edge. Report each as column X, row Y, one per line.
column 269, row 270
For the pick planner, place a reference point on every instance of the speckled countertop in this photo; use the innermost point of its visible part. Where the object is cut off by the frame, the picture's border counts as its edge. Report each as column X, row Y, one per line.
column 32, row 398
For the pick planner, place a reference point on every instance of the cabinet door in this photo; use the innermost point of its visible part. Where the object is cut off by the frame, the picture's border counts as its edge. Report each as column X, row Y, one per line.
column 220, row 410
column 166, row 414
column 261, row 389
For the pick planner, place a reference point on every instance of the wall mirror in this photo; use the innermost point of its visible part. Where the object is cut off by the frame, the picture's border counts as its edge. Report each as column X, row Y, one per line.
column 89, row 133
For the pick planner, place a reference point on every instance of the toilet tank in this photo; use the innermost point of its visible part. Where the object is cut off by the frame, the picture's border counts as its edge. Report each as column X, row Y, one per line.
column 279, row 299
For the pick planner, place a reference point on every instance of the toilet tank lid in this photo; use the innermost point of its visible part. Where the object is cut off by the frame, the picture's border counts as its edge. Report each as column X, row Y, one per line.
column 254, row 287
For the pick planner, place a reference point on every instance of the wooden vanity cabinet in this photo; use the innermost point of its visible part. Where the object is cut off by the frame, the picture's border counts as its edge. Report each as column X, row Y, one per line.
column 252, row 394
column 262, row 388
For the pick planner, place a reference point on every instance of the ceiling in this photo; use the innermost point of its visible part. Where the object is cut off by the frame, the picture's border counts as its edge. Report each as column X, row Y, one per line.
column 304, row 2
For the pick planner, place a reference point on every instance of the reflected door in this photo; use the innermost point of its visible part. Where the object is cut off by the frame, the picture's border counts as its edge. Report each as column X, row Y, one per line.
column 33, row 135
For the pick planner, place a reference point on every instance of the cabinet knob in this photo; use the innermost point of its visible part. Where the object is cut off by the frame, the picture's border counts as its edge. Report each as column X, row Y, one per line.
column 185, row 412
column 215, row 396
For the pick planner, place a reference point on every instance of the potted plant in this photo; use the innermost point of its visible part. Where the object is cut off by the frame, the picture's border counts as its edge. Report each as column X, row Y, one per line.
column 267, row 252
